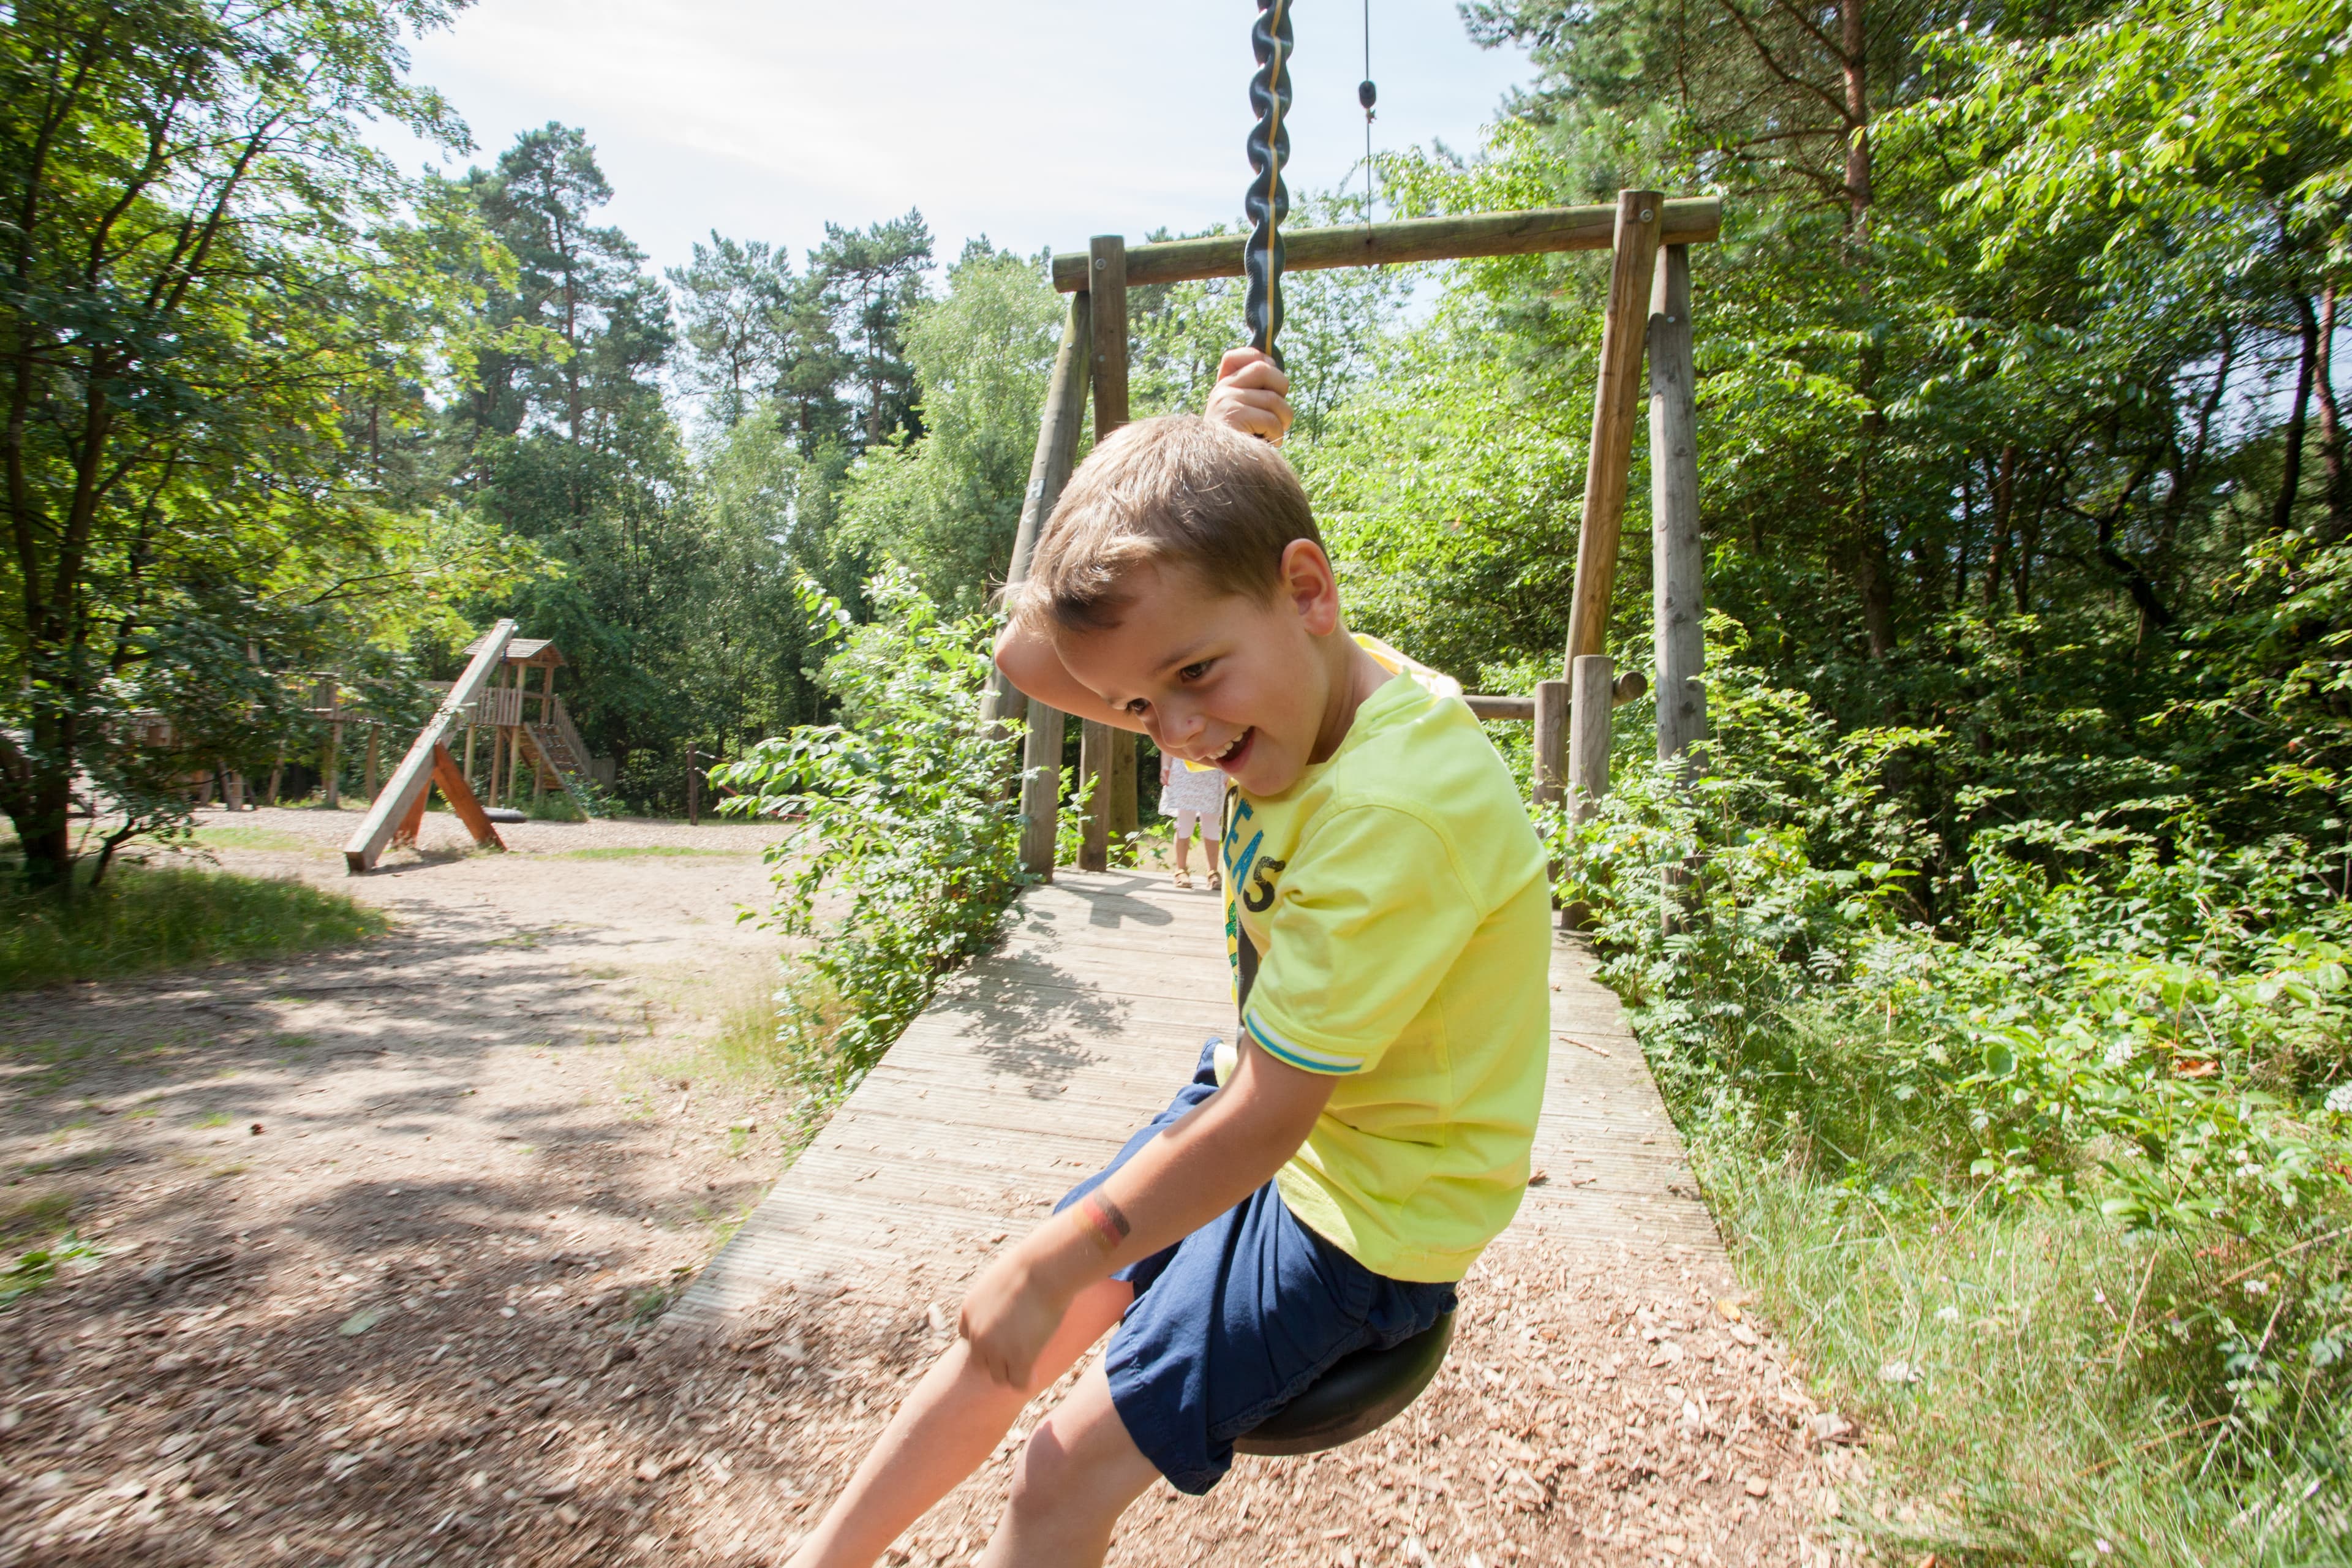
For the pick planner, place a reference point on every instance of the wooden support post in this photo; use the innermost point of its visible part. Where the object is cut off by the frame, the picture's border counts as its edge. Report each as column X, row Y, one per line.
column 1611, row 455
column 1551, row 710
column 468, row 770
column 374, row 757
column 1125, row 809
column 1114, row 798
column 1551, row 713
column 693, row 791
column 1040, row 790
column 1678, row 560
column 1106, row 294
column 330, row 750
column 460, row 797
column 1589, row 706
column 412, row 823
column 1591, row 700
column 1049, row 471
column 1094, row 762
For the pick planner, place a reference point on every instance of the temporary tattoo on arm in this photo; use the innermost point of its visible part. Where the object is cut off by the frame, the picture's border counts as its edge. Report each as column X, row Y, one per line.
column 1109, row 1225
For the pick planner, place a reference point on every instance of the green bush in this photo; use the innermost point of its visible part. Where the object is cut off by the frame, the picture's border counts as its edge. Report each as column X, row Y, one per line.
column 149, row 916
column 905, row 809
column 2118, row 1038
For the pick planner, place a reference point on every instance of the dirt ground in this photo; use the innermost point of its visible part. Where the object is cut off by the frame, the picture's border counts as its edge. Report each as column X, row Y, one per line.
column 378, row 1225
column 386, row 1233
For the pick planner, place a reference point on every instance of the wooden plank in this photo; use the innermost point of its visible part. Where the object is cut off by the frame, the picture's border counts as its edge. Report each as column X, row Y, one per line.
column 414, row 775
column 1678, row 558
column 1610, row 453
column 1030, row 1069
column 460, row 797
column 1488, row 706
column 1689, row 220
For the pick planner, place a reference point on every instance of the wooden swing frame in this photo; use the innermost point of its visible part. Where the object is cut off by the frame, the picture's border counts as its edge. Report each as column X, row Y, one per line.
column 1648, row 316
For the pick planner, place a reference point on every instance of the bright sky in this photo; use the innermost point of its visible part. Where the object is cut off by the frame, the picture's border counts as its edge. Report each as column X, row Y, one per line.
column 1033, row 121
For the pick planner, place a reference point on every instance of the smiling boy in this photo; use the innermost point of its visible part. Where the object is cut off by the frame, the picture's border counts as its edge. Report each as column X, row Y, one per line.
column 1322, row 1188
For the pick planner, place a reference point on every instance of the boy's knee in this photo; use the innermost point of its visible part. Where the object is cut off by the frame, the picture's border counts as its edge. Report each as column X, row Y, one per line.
column 1057, row 1466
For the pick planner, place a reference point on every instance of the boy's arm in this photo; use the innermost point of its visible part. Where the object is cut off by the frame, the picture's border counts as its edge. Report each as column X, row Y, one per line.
column 1028, row 660
column 1195, row 1171
column 1250, row 397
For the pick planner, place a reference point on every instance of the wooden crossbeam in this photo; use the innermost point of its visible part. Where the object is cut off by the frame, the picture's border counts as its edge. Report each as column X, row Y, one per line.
column 1688, row 220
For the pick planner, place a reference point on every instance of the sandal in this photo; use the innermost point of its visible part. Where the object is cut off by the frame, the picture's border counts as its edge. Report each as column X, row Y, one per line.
column 1216, row 880
column 1183, row 877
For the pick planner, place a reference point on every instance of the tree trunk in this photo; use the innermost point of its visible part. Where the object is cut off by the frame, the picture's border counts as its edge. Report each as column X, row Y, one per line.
column 2298, row 413
column 2331, row 422
column 2004, row 500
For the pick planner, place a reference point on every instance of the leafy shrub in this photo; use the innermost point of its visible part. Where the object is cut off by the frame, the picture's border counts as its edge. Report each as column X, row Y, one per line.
column 905, row 810
column 2143, row 1026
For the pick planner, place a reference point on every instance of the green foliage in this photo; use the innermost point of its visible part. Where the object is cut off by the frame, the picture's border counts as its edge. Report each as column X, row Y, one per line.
column 2124, row 1030
column 219, row 304
column 151, row 918
column 903, row 813
column 945, row 507
column 33, row 1269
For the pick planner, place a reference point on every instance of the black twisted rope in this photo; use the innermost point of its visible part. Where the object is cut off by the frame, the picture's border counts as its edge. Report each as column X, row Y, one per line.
column 1269, row 198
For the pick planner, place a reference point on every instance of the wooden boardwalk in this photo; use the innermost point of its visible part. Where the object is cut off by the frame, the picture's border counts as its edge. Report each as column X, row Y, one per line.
column 1034, row 1064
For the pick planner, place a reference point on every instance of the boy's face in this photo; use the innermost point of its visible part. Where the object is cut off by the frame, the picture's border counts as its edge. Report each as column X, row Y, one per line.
column 1223, row 678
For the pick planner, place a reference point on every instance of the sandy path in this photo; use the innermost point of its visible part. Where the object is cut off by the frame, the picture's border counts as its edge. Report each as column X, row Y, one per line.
column 380, row 1227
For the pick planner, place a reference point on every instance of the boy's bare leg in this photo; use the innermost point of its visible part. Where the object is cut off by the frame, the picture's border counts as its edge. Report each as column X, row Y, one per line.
column 956, row 1415
column 1077, row 1474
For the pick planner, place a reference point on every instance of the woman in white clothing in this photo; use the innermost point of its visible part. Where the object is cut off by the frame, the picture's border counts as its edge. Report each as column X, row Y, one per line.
column 1194, row 796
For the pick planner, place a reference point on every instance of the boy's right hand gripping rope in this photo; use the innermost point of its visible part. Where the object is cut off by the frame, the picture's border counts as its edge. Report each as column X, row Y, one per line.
column 1269, row 199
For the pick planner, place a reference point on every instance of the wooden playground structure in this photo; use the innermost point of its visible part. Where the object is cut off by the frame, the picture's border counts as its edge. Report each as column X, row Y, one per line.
column 1648, row 316
column 527, row 729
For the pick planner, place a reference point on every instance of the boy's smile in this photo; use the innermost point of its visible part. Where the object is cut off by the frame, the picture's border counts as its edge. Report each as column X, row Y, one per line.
column 1263, row 689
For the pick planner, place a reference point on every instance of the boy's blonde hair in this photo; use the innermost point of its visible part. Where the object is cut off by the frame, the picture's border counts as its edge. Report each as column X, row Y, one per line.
column 1174, row 491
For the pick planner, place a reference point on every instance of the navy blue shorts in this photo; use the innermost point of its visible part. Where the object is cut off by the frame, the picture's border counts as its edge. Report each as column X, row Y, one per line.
column 1239, row 1319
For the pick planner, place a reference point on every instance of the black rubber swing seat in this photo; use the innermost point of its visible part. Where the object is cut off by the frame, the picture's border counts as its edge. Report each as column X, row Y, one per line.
column 1360, row 1393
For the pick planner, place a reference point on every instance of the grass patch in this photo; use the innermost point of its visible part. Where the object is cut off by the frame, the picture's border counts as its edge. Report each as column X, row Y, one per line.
column 644, row 851
column 2036, row 1377
column 149, row 918
column 238, row 837
column 750, row 1041
column 38, row 1266
column 42, row 1215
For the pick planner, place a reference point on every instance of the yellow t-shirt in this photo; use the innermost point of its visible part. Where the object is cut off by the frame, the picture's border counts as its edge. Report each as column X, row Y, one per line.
column 1398, row 899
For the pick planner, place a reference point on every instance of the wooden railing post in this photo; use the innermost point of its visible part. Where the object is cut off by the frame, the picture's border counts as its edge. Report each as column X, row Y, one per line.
column 1611, row 453
column 1551, row 740
column 1589, row 706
